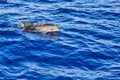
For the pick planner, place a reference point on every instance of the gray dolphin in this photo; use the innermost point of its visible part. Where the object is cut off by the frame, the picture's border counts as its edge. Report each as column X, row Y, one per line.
column 43, row 28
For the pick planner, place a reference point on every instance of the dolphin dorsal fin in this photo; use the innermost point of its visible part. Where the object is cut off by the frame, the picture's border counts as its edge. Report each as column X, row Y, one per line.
column 47, row 24
column 26, row 24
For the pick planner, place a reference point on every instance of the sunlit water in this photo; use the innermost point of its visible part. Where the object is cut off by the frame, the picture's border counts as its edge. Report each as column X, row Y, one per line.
column 88, row 47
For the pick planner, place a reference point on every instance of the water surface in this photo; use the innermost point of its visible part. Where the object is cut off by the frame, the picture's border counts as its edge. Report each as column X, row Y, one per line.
column 88, row 47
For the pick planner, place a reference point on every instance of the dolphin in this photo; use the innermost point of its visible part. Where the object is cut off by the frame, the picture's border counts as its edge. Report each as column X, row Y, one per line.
column 42, row 28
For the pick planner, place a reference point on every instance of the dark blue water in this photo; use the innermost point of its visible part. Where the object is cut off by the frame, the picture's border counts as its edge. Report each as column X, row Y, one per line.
column 88, row 47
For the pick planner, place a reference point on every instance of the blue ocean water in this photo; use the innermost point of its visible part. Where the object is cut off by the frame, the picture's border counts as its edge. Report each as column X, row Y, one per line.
column 88, row 47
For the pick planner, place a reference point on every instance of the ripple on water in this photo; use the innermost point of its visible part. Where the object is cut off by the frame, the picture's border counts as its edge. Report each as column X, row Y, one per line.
column 87, row 48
